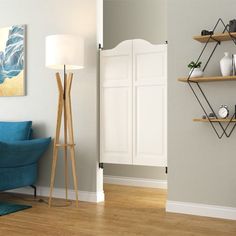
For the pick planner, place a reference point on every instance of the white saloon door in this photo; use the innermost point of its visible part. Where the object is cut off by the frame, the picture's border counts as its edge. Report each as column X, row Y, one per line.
column 116, row 104
column 149, row 104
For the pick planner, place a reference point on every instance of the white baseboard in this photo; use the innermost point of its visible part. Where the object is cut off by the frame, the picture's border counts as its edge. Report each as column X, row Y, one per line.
column 201, row 210
column 138, row 182
column 60, row 193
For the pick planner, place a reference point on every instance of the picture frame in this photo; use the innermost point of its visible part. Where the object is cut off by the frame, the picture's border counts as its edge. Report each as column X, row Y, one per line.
column 12, row 61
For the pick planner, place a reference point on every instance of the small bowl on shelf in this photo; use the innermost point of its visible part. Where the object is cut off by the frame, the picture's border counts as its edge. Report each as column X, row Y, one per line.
column 196, row 72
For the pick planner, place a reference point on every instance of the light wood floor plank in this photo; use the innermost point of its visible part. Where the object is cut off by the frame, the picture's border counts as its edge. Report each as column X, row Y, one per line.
column 126, row 211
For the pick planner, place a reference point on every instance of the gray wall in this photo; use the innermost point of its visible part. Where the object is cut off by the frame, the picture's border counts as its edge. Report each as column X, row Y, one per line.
column 40, row 105
column 129, row 19
column 201, row 167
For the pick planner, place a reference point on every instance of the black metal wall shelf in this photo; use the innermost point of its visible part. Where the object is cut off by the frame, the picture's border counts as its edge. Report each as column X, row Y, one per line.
column 196, row 88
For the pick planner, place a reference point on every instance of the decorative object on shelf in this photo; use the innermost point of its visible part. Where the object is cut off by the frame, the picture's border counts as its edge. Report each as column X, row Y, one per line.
column 204, row 117
column 211, row 115
column 12, row 61
column 64, row 52
column 226, row 66
column 234, row 64
column 223, row 111
column 195, row 70
column 196, row 88
column 232, row 25
column 207, row 32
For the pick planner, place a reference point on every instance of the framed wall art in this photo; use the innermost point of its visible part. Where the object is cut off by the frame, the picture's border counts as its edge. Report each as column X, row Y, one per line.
column 12, row 61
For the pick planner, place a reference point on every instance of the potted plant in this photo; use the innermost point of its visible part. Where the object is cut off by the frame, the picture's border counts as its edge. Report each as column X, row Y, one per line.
column 195, row 69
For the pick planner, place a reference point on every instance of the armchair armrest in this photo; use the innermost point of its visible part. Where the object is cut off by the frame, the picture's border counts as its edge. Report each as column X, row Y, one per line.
column 21, row 153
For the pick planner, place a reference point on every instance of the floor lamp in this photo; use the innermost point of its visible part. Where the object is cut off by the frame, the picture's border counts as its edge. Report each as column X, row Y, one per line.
column 64, row 52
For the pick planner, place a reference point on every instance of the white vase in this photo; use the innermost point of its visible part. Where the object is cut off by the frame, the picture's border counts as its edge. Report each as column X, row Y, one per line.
column 234, row 65
column 226, row 65
column 197, row 72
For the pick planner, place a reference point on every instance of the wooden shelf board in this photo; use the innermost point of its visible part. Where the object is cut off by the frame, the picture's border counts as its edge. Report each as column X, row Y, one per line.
column 213, row 120
column 217, row 37
column 209, row 79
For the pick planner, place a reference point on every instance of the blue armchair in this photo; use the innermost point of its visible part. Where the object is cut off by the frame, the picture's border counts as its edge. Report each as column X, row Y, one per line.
column 19, row 155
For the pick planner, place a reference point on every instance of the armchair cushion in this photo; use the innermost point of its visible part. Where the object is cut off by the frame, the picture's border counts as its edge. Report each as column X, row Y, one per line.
column 21, row 153
column 15, row 131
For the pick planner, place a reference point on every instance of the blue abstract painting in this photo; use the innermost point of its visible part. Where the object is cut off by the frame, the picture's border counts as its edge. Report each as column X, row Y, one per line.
column 12, row 61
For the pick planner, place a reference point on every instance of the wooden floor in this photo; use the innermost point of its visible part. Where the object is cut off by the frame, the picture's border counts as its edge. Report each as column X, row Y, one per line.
column 126, row 211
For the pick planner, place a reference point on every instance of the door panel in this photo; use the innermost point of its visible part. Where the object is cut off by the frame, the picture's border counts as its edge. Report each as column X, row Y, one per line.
column 149, row 98
column 150, row 67
column 115, row 68
column 116, row 104
column 116, row 120
column 150, row 122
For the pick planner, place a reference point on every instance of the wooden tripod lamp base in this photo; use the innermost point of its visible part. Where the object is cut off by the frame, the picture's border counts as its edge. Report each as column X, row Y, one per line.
column 64, row 52
column 64, row 110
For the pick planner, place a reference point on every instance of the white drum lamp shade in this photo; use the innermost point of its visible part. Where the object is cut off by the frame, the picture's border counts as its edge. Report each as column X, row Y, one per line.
column 64, row 50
